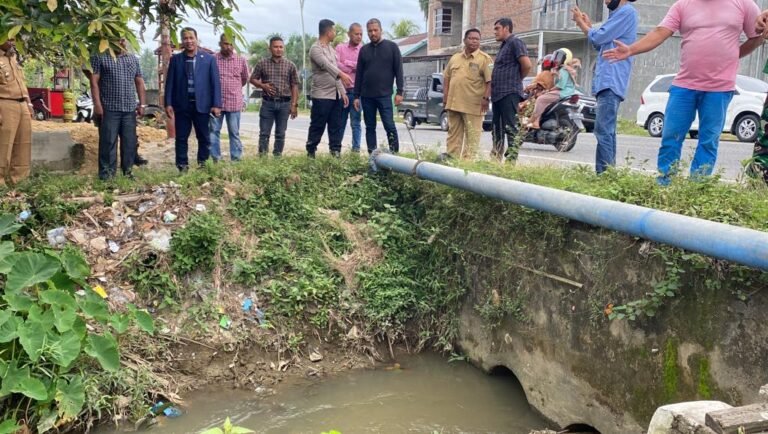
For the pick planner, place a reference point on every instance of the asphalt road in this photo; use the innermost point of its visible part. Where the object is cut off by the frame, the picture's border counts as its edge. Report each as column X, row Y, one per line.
column 633, row 151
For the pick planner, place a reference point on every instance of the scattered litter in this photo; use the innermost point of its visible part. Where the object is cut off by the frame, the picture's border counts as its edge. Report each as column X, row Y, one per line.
column 24, row 215
column 120, row 297
column 353, row 333
column 159, row 240
column 225, row 322
column 56, row 237
column 172, row 412
column 98, row 289
column 166, row 409
column 145, row 206
column 99, row 244
column 247, row 304
column 282, row 366
column 173, row 185
column 79, row 237
column 169, row 217
column 260, row 316
column 113, row 247
column 80, row 292
column 315, row 356
column 200, row 207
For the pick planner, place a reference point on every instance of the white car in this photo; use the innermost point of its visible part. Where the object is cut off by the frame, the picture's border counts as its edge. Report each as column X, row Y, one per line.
column 742, row 118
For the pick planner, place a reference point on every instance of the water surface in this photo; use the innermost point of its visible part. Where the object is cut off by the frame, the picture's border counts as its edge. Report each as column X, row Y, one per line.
column 428, row 395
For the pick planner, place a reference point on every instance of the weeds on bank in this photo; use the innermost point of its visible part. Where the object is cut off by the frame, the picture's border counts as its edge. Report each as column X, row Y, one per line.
column 56, row 336
column 285, row 230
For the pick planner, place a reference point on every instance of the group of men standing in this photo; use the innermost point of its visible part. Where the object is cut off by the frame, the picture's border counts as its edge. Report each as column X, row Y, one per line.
column 354, row 81
column 705, row 84
column 348, row 82
column 352, row 78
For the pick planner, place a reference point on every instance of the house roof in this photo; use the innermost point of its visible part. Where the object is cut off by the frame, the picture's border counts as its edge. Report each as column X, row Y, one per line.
column 410, row 44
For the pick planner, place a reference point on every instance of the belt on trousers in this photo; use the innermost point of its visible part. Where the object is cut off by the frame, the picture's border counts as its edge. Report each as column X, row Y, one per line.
column 15, row 99
column 278, row 99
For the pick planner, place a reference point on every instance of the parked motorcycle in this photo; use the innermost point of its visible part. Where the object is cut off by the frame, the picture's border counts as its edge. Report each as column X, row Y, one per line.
column 84, row 107
column 560, row 125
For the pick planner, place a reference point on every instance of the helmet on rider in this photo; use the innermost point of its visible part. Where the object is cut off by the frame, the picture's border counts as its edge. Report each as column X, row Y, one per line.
column 548, row 62
column 562, row 56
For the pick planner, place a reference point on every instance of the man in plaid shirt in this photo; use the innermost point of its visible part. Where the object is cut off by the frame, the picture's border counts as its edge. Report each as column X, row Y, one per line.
column 115, row 82
column 276, row 76
column 233, row 74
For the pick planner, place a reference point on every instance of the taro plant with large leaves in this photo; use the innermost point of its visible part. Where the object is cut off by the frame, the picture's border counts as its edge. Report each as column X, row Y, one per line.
column 54, row 330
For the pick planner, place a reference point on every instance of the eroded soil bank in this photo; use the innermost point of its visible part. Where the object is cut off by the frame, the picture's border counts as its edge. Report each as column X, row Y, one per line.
column 271, row 268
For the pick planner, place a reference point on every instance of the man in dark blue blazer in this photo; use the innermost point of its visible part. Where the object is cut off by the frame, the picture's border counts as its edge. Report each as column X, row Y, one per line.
column 192, row 95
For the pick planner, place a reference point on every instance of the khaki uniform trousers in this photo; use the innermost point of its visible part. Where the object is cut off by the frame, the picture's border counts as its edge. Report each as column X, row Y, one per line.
column 15, row 141
column 464, row 131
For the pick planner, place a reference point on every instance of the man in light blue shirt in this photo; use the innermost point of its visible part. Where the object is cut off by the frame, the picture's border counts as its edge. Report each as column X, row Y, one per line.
column 611, row 78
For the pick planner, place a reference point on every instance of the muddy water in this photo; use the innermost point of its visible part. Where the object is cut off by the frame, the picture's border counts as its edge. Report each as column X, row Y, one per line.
column 428, row 395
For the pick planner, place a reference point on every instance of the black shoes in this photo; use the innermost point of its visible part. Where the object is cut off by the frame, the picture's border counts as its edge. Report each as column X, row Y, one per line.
column 140, row 161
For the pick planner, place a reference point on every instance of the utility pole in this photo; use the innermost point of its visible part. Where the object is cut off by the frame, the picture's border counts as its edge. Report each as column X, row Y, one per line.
column 303, row 56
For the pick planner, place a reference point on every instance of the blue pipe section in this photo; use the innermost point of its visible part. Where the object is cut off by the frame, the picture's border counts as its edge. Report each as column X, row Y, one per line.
column 718, row 240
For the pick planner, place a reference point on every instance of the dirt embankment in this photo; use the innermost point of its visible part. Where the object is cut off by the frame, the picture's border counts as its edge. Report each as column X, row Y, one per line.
column 211, row 338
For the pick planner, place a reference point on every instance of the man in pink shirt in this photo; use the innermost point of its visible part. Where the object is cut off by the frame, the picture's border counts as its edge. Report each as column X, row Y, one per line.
column 233, row 74
column 346, row 59
column 709, row 61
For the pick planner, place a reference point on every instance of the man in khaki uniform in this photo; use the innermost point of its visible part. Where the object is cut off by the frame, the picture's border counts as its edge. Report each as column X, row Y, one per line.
column 466, row 95
column 15, row 117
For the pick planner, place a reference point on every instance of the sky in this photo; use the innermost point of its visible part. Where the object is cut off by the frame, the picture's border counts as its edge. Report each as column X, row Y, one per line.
column 264, row 17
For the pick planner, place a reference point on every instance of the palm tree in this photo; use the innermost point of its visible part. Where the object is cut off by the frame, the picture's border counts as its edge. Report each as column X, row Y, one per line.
column 341, row 34
column 424, row 6
column 403, row 28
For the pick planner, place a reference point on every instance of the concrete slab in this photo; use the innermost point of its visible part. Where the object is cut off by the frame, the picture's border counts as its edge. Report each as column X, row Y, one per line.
column 684, row 417
column 56, row 151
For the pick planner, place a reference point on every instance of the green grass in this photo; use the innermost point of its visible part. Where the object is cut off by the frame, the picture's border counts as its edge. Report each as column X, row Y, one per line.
column 630, row 128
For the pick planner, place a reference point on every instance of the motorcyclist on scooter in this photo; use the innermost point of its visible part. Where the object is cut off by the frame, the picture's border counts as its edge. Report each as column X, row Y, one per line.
column 565, row 86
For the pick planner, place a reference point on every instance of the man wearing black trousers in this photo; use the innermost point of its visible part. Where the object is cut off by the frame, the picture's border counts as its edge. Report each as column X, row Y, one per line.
column 328, row 93
column 192, row 95
column 115, row 83
column 510, row 67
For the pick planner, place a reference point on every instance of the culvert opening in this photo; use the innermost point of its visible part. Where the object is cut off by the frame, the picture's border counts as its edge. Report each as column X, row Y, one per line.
column 579, row 428
column 504, row 374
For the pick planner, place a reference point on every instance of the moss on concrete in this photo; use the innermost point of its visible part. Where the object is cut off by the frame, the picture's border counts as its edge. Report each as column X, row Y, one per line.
column 671, row 372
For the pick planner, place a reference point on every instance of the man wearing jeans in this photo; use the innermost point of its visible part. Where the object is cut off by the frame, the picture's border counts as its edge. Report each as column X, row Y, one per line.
column 278, row 80
column 611, row 78
column 328, row 93
column 233, row 74
column 709, row 61
column 509, row 68
column 346, row 56
column 115, row 82
column 378, row 66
